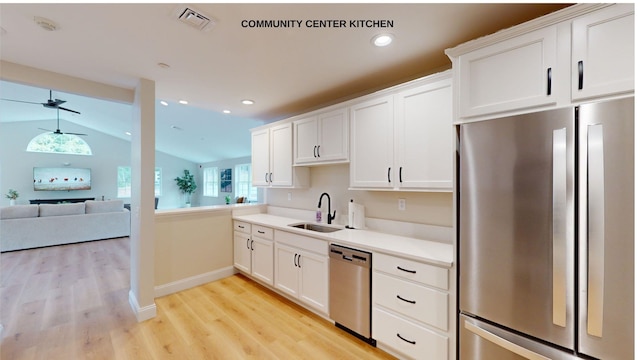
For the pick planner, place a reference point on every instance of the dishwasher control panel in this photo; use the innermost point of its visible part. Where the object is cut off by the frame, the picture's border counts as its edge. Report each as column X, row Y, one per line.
column 355, row 256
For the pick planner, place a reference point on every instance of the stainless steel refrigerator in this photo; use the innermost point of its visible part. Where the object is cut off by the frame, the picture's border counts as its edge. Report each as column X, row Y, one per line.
column 546, row 235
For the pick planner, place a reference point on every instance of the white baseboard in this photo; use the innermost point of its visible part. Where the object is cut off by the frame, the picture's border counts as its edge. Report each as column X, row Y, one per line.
column 187, row 283
column 142, row 313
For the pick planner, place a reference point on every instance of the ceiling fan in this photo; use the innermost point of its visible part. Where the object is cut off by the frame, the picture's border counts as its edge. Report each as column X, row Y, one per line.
column 51, row 103
column 58, row 132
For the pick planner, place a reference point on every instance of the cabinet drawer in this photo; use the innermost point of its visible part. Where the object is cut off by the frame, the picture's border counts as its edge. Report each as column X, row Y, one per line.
column 418, row 302
column 242, row 227
column 412, row 270
column 262, row 232
column 408, row 338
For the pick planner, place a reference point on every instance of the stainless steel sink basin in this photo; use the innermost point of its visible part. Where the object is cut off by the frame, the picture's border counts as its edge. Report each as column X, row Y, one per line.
column 315, row 227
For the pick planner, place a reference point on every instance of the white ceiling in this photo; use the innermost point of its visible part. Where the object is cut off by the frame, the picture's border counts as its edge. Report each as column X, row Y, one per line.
column 285, row 70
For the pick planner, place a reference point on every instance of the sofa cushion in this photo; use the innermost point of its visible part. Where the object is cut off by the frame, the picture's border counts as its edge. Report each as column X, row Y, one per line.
column 94, row 207
column 61, row 209
column 19, row 211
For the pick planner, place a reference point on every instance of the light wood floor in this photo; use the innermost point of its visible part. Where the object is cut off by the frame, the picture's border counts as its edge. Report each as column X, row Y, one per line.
column 71, row 302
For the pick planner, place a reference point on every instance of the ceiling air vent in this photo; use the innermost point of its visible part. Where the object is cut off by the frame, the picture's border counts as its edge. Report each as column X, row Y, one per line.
column 195, row 19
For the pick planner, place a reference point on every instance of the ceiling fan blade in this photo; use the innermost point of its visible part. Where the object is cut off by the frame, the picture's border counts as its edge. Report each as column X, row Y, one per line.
column 65, row 109
column 45, row 129
column 20, row 101
column 70, row 133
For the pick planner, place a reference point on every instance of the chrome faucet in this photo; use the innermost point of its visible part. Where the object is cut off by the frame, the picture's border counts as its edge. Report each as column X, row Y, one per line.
column 329, row 216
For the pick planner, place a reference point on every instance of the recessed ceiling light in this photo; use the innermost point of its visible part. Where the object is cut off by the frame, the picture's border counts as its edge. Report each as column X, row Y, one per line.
column 127, row 133
column 163, row 65
column 382, row 40
column 162, row 102
column 248, row 102
column 174, row 127
column 183, row 102
column 226, row 111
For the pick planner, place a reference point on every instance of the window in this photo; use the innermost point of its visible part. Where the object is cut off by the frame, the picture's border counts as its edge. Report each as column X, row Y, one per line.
column 243, row 182
column 157, row 183
column 124, row 182
column 59, row 144
column 210, row 182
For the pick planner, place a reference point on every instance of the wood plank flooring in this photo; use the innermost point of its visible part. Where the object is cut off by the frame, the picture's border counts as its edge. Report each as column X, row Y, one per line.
column 71, row 302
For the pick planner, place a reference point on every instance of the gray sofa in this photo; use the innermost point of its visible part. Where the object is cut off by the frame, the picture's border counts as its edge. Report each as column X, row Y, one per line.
column 32, row 226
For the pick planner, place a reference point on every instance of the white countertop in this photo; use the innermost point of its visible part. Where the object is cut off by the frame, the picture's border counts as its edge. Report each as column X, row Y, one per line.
column 415, row 249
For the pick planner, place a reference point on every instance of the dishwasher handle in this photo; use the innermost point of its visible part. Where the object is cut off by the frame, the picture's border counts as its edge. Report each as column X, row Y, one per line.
column 353, row 256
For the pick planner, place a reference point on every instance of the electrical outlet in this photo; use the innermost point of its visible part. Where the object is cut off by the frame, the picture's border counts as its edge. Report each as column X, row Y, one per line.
column 401, row 204
column 289, row 196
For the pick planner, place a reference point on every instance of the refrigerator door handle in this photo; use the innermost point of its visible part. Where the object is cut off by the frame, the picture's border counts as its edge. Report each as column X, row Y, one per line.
column 595, row 233
column 560, row 236
column 504, row 343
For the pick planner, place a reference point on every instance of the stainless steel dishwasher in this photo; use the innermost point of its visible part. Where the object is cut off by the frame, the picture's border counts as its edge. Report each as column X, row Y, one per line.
column 350, row 291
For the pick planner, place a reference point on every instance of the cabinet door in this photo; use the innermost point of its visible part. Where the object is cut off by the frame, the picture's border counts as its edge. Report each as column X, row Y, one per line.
column 372, row 143
column 314, row 280
column 603, row 52
column 281, row 156
column 305, row 140
column 424, row 138
column 260, row 158
column 262, row 260
column 286, row 268
column 242, row 252
column 512, row 74
column 333, row 135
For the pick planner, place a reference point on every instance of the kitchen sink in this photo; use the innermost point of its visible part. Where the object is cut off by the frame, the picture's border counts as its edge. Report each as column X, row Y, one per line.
column 315, row 227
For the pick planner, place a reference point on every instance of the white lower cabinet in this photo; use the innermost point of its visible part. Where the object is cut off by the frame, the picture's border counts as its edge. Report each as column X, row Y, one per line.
column 253, row 251
column 410, row 307
column 408, row 338
column 301, row 273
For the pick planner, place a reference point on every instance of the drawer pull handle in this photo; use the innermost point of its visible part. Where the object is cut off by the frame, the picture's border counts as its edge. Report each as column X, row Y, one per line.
column 260, row 232
column 405, row 300
column 241, row 227
column 409, row 341
column 405, row 270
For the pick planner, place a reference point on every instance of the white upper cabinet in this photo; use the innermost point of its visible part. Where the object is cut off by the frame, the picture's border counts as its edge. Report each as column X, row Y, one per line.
column 372, row 143
column 322, row 138
column 514, row 73
column 272, row 158
column 260, row 150
column 603, row 52
column 404, row 140
column 423, row 137
column 579, row 53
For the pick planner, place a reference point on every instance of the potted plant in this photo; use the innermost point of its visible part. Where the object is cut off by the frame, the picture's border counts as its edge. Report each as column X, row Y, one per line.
column 12, row 195
column 187, row 184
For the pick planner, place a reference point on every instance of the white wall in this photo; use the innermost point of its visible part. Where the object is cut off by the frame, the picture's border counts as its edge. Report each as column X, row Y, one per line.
column 421, row 208
column 108, row 153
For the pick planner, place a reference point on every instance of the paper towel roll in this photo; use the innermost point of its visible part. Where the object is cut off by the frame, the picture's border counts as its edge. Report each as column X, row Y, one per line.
column 356, row 215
